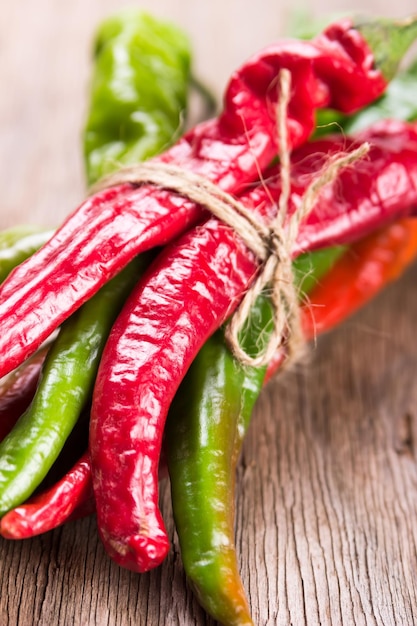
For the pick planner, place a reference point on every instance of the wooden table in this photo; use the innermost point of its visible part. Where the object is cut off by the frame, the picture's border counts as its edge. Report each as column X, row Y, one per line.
column 326, row 520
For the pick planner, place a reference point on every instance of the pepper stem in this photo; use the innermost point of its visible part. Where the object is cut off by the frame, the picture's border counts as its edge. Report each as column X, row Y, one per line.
column 389, row 40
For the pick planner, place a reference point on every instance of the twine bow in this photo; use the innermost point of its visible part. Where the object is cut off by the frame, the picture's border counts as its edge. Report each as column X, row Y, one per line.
column 272, row 244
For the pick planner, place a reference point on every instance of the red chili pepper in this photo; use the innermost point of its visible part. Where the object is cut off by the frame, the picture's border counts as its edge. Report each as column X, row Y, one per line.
column 375, row 191
column 17, row 391
column 189, row 291
column 356, row 278
column 337, row 69
column 70, row 498
column 130, row 430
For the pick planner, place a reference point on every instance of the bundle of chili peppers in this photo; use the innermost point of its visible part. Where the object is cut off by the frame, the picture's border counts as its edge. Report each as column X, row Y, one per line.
column 141, row 281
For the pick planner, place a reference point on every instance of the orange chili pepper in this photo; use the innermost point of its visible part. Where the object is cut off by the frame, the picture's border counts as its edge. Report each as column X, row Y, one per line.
column 356, row 278
column 360, row 274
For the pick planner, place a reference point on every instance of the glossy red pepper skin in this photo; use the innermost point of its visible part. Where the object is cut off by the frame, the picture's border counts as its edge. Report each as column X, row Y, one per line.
column 70, row 498
column 189, row 291
column 322, row 76
column 126, row 423
column 380, row 188
column 107, row 230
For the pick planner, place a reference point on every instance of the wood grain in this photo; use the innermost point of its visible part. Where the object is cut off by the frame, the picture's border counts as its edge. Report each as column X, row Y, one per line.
column 327, row 484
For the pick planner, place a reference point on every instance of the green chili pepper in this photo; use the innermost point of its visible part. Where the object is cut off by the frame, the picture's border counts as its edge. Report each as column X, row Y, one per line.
column 17, row 244
column 310, row 267
column 145, row 45
column 205, row 429
column 200, row 435
column 133, row 113
column 30, row 449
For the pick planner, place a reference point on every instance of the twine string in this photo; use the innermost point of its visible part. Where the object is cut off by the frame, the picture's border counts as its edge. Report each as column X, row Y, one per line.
column 199, row 190
column 272, row 244
column 277, row 271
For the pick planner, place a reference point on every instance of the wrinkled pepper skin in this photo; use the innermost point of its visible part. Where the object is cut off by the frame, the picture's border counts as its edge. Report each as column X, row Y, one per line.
column 107, row 230
column 199, row 430
column 385, row 178
column 18, row 389
column 47, row 510
column 126, row 427
column 189, row 292
column 204, row 433
column 138, row 94
column 350, row 41
column 397, row 102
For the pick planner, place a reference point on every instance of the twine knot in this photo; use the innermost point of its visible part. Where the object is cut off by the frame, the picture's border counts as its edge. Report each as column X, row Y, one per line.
column 275, row 245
